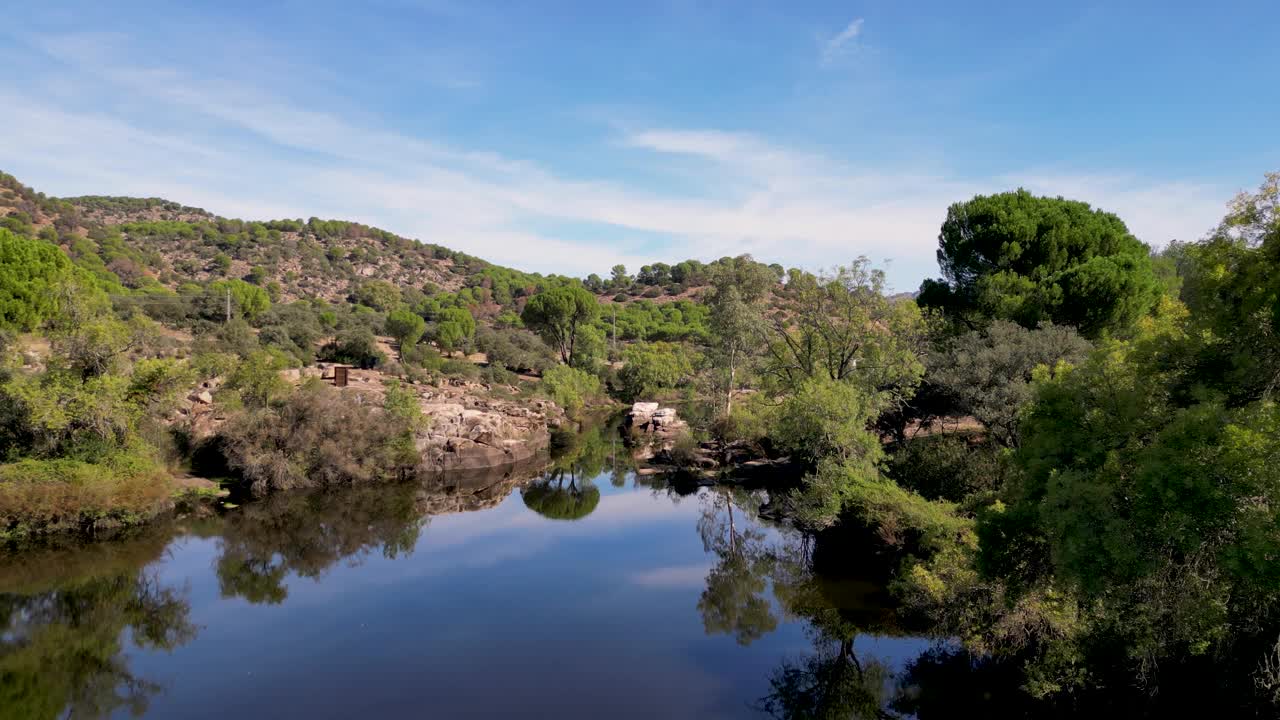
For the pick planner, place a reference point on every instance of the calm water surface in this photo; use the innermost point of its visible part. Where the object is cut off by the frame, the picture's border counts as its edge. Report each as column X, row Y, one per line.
column 572, row 596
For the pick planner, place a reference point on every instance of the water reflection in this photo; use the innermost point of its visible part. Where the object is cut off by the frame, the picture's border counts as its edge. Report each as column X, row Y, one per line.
column 64, row 618
column 567, row 491
column 410, row 584
column 562, row 496
column 734, row 601
column 305, row 533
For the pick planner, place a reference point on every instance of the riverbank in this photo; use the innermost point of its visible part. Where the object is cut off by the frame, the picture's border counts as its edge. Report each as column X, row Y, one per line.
column 312, row 432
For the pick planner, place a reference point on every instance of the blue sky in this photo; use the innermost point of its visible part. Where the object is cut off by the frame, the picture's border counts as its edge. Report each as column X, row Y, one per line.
column 566, row 137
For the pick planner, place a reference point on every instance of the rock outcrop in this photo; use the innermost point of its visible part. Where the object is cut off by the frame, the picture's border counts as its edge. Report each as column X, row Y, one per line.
column 484, row 433
column 648, row 418
column 470, row 425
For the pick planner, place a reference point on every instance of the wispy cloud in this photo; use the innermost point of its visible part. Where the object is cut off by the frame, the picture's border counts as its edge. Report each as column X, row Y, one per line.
column 839, row 45
column 242, row 148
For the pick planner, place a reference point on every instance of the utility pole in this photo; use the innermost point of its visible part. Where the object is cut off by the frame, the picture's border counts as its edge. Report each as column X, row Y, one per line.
column 614, row 306
column 228, row 305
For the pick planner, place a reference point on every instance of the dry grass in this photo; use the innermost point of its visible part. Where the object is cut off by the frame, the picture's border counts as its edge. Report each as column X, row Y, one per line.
column 38, row 496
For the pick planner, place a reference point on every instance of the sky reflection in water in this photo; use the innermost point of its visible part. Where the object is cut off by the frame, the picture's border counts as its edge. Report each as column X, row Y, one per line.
column 355, row 602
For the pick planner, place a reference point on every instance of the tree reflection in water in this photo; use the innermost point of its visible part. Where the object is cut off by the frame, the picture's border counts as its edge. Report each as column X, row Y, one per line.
column 734, row 601
column 63, row 620
column 307, row 532
column 568, row 490
column 761, row 577
column 562, row 496
column 832, row 682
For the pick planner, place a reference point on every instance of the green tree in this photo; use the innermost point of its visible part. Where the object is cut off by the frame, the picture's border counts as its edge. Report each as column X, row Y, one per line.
column 1232, row 286
column 988, row 372
column 1029, row 259
column 247, row 299
column 739, row 288
column 258, row 379
column 34, row 279
column 377, row 294
column 455, row 328
column 406, row 327
column 841, row 326
column 354, row 346
column 618, row 277
column 827, row 418
column 650, row 368
column 559, row 315
column 570, row 387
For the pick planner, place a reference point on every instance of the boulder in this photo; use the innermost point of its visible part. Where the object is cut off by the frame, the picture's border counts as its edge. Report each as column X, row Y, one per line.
column 649, row 417
column 467, row 433
column 641, row 412
column 203, row 397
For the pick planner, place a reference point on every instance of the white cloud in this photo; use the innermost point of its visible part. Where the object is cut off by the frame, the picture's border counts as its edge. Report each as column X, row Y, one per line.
column 672, row 576
column 839, row 45
column 244, row 150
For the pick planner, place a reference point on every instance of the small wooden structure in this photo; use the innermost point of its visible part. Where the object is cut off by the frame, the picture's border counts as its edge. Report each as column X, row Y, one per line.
column 340, row 375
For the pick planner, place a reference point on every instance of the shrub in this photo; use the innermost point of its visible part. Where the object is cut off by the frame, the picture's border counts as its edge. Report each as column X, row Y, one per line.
column 650, row 368
column 421, row 356
column 516, row 349
column 828, row 419
column 257, row 377
column 315, row 437
column 377, row 294
column 569, row 387
column 37, row 496
column 498, row 375
column 356, row 347
column 459, row 369
column 749, row 423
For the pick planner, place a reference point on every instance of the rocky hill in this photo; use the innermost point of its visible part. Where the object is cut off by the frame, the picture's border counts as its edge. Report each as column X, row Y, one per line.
column 151, row 243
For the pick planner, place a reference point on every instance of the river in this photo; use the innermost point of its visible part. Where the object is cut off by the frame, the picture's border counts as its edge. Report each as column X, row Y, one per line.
column 585, row 592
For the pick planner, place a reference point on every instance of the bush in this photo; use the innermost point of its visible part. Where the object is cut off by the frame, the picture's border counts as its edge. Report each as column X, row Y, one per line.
column 257, row 377
column 748, row 423
column 315, row 437
column 947, row 467
column 421, row 356
column 570, row 388
column 356, row 347
column 651, row 368
column 515, row 349
column 459, row 369
column 828, row 419
column 498, row 375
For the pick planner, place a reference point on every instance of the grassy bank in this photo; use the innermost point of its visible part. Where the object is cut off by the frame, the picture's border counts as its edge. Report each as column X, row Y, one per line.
column 42, row 496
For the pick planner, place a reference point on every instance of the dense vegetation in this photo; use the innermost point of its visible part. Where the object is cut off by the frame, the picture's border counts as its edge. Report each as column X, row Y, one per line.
column 1064, row 450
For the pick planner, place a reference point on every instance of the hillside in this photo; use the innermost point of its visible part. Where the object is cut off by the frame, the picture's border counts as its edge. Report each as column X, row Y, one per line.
column 146, row 250
column 156, row 244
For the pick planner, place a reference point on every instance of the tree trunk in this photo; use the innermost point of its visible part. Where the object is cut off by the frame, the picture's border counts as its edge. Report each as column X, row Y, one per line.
column 733, row 377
